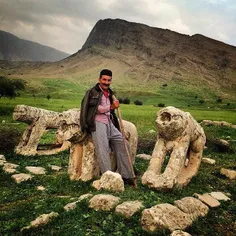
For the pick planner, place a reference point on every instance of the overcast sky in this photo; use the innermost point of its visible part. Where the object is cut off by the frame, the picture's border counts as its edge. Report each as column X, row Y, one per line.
column 65, row 24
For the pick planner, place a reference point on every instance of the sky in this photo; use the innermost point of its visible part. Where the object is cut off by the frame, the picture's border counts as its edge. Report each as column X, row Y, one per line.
column 66, row 24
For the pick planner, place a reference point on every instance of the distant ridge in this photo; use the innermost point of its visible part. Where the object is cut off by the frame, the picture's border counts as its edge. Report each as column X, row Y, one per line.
column 13, row 48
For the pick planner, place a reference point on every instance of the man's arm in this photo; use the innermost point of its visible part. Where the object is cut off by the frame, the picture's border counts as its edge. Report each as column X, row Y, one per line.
column 83, row 112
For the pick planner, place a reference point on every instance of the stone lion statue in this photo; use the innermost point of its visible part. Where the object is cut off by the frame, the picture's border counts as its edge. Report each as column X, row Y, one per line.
column 182, row 139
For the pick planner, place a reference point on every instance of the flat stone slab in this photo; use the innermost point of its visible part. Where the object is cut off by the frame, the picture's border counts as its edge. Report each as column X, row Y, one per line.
column 85, row 196
column 127, row 209
column 231, row 174
column 2, row 157
column 8, row 165
column 36, row 170
column 144, row 156
column 54, row 167
column 207, row 199
column 208, row 160
column 10, row 171
column 219, row 196
column 103, row 202
column 21, row 177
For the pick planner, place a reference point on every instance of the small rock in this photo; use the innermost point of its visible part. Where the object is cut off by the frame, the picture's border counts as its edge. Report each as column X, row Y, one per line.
column 180, row 233
column 21, row 177
column 144, row 156
column 164, row 215
column 85, row 196
column 3, row 122
column 103, row 202
column 41, row 220
column 207, row 199
column 10, row 171
column 70, row 206
column 219, row 196
column 127, row 209
column 2, row 157
column 231, row 174
column 208, row 160
column 151, row 131
column 9, row 165
column 41, row 188
column 56, row 168
column 36, row 170
column 110, row 181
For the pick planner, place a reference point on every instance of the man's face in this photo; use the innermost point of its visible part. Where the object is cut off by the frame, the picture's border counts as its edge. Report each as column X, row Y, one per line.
column 105, row 81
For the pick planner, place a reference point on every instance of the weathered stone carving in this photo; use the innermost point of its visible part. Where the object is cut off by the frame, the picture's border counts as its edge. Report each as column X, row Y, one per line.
column 180, row 136
column 82, row 162
column 39, row 121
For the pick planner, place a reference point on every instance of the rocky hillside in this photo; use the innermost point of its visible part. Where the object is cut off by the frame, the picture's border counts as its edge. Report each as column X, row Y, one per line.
column 144, row 56
column 13, row 48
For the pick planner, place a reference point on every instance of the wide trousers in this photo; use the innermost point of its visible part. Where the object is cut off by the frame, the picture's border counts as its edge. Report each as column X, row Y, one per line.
column 108, row 138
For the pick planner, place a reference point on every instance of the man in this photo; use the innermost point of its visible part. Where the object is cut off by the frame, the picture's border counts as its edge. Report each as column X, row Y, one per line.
column 97, row 117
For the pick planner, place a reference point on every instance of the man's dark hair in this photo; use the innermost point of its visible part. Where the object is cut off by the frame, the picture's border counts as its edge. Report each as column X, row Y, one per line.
column 105, row 72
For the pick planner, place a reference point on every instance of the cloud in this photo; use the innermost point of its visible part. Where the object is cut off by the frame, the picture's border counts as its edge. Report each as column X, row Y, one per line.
column 65, row 25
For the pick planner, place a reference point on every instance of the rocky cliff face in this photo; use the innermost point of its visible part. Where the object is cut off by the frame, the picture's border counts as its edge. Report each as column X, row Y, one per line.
column 13, row 48
column 138, row 54
column 163, row 53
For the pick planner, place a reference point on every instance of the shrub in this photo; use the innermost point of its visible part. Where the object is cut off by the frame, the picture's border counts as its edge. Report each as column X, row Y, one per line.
column 219, row 100
column 161, row 105
column 228, row 104
column 138, row 103
column 8, row 88
column 48, row 97
column 120, row 100
column 126, row 101
column 201, row 101
column 164, row 85
column 9, row 138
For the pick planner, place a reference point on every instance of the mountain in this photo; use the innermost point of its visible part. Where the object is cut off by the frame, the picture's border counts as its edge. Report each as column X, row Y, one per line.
column 13, row 48
column 144, row 58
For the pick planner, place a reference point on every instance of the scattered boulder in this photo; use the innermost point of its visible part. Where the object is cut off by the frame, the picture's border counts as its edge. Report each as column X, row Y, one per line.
column 207, row 199
column 36, row 170
column 103, row 202
column 208, row 160
column 164, row 215
column 110, row 181
column 144, row 156
column 41, row 220
column 127, row 209
column 217, row 123
column 192, row 206
column 219, row 196
column 21, row 177
column 231, row 174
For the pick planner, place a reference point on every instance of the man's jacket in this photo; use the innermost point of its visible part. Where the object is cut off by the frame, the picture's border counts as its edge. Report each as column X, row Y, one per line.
column 89, row 107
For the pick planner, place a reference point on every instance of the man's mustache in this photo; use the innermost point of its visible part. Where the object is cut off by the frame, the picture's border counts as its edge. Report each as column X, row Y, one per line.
column 106, row 84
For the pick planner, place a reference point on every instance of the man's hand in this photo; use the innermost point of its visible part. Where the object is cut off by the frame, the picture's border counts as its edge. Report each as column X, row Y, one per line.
column 115, row 104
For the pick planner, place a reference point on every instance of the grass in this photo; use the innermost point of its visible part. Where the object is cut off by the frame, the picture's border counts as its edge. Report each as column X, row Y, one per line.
column 22, row 203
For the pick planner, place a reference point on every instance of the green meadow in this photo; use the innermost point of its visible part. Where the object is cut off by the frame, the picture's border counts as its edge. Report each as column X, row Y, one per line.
column 22, row 203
